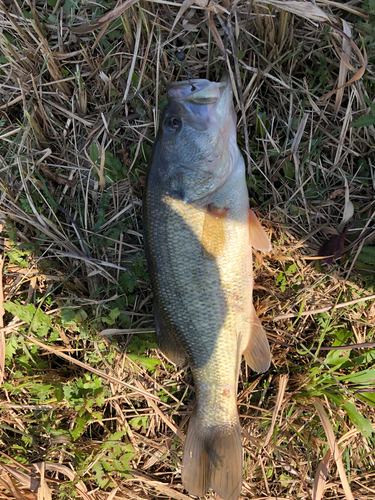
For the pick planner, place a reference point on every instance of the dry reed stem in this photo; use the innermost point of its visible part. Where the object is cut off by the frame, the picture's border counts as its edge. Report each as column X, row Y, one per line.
column 283, row 382
column 336, row 454
column 346, row 49
column 308, row 10
column 324, row 309
column 2, row 336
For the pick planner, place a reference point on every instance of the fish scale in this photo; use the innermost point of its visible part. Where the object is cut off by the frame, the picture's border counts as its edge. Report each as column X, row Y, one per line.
column 198, row 235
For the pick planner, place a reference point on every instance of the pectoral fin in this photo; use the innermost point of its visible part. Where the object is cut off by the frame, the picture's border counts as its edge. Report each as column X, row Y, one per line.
column 167, row 342
column 257, row 353
column 213, row 236
column 258, row 238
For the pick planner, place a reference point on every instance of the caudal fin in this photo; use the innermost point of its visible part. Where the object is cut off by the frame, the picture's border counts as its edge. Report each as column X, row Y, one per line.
column 213, row 459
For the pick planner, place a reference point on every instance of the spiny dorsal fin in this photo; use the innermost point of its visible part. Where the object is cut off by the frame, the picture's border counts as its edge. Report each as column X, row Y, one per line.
column 258, row 238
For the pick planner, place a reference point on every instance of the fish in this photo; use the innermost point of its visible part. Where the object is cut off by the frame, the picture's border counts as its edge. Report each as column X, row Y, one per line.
column 198, row 234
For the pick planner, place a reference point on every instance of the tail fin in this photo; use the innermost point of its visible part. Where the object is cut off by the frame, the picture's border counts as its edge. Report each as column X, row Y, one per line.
column 213, row 459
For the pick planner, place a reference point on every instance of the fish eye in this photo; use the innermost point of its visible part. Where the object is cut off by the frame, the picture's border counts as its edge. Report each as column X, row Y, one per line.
column 172, row 123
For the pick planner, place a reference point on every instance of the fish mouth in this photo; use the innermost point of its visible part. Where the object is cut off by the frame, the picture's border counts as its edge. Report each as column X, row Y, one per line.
column 197, row 91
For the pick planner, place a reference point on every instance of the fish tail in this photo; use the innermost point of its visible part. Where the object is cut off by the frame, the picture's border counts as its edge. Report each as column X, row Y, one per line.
column 213, row 459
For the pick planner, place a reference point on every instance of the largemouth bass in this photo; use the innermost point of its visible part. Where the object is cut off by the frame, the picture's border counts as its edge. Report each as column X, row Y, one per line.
column 198, row 232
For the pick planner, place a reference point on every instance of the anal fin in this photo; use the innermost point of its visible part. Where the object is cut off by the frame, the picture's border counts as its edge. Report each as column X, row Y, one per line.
column 258, row 238
column 257, row 353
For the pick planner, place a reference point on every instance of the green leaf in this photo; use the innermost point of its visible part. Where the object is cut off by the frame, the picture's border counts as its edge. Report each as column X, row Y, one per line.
column 113, row 167
column 24, row 312
column 364, row 121
column 369, row 397
column 281, row 281
column 94, row 153
column 80, row 426
column 16, row 257
column 117, row 436
column 138, row 422
column 363, row 377
column 338, row 358
column 70, row 7
column 362, row 424
column 115, row 35
column 364, row 359
column 149, row 364
column 112, row 162
column 285, row 480
column 125, row 459
column 290, row 268
column 27, row 14
column 100, row 476
column 11, row 347
column 59, row 394
column 127, row 282
column 80, row 316
column 289, row 169
column 114, row 314
column 108, row 466
column 40, row 322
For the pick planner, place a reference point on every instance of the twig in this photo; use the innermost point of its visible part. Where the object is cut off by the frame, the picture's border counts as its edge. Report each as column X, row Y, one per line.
column 364, row 345
column 322, row 309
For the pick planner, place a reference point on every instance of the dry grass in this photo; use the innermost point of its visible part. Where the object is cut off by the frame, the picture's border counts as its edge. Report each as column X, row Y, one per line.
column 82, row 85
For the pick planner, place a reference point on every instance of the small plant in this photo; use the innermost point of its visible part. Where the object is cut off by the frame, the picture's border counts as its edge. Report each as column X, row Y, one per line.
column 343, row 376
column 366, row 120
column 113, row 168
column 114, row 456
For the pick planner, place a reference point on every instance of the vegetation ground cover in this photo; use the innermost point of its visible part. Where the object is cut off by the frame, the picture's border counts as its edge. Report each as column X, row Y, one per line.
column 89, row 407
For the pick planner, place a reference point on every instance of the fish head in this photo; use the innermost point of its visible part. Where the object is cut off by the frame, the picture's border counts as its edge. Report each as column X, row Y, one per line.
column 197, row 138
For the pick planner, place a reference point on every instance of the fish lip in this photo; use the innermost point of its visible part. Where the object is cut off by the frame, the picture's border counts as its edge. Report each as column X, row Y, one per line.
column 190, row 82
column 198, row 91
column 185, row 87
